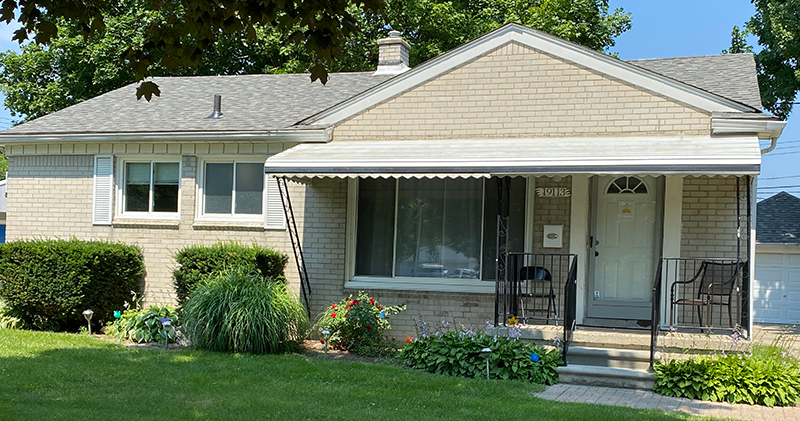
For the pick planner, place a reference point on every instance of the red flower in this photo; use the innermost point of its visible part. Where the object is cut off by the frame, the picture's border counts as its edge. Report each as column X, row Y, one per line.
column 409, row 339
column 333, row 306
column 372, row 301
column 333, row 315
column 379, row 306
column 345, row 315
column 369, row 326
column 348, row 308
column 322, row 341
column 355, row 302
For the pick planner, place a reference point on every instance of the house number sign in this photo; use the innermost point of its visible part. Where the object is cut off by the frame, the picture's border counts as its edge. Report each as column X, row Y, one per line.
column 553, row 192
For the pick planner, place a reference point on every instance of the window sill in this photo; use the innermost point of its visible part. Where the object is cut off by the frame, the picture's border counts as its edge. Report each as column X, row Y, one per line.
column 422, row 284
column 145, row 223
column 228, row 226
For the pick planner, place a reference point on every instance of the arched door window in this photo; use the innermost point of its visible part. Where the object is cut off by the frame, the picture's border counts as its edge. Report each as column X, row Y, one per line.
column 627, row 184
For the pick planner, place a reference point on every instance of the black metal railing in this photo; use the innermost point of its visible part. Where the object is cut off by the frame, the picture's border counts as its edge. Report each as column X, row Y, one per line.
column 655, row 324
column 532, row 290
column 538, row 288
column 702, row 294
column 570, row 306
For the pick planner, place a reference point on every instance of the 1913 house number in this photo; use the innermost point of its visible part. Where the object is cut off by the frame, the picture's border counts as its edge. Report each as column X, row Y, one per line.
column 553, row 192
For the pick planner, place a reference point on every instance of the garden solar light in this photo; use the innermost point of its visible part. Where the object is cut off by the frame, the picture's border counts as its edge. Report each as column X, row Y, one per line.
column 88, row 315
column 326, row 334
column 165, row 324
column 487, row 353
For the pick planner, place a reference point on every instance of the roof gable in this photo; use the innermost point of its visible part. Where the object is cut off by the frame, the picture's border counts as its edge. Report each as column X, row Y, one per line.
column 540, row 41
column 778, row 220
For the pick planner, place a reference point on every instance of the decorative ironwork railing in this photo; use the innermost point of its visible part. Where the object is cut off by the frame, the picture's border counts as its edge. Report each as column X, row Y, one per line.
column 699, row 294
column 538, row 288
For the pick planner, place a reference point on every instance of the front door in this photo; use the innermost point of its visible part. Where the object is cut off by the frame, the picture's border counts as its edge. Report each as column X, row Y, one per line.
column 623, row 249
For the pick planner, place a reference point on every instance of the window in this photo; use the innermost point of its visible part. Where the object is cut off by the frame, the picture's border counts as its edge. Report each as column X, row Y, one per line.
column 432, row 228
column 233, row 189
column 627, row 185
column 150, row 188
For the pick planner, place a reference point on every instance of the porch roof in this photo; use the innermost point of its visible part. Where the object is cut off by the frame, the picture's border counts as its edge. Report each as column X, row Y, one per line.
column 709, row 155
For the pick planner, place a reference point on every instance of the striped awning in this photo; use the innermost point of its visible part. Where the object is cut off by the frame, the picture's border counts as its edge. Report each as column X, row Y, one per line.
column 691, row 155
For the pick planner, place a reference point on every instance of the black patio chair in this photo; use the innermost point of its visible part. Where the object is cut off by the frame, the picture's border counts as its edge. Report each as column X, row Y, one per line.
column 715, row 282
column 536, row 282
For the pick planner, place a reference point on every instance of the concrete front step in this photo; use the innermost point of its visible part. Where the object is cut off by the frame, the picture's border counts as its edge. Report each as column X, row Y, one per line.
column 609, row 357
column 590, row 375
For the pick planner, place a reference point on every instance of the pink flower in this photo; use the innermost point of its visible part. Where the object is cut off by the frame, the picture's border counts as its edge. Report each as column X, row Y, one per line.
column 333, row 315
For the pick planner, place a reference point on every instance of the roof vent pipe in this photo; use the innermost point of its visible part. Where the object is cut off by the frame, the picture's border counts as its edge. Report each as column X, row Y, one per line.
column 217, row 107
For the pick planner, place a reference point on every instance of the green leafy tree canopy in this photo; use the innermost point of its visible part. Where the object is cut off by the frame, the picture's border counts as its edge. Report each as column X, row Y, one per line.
column 78, row 64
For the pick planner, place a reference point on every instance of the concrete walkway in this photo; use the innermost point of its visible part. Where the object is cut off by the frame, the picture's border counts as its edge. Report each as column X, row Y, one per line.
column 649, row 400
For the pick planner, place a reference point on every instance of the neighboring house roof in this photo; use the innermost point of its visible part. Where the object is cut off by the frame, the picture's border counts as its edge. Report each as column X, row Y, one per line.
column 249, row 103
column 264, row 103
column 730, row 75
column 778, row 220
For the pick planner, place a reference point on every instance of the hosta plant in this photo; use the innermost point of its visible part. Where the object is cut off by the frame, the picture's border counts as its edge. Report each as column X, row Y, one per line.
column 359, row 325
column 145, row 325
column 458, row 352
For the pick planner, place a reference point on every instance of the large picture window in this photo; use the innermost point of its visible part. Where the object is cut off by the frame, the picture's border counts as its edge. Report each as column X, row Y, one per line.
column 233, row 188
column 151, row 187
column 432, row 228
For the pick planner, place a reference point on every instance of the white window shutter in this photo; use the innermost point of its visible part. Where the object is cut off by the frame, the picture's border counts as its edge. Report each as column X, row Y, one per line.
column 274, row 217
column 103, row 189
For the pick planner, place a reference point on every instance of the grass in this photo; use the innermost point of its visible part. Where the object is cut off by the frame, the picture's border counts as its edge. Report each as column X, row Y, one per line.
column 59, row 376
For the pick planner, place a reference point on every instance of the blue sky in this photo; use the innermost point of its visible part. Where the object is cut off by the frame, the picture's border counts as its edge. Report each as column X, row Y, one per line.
column 666, row 29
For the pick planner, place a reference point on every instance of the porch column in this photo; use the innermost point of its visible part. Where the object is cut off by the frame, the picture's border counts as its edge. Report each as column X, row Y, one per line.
column 673, row 225
column 579, row 237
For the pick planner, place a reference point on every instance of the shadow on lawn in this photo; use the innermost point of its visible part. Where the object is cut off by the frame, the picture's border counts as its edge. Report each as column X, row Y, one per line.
column 109, row 382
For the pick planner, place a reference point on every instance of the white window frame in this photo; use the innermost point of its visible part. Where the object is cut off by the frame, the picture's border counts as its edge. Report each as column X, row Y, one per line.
column 201, row 216
column 413, row 283
column 121, row 213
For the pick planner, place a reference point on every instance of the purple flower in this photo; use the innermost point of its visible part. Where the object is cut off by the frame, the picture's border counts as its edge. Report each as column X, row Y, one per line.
column 164, row 320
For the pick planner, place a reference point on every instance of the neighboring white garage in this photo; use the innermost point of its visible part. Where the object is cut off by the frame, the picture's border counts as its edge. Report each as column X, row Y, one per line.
column 776, row 288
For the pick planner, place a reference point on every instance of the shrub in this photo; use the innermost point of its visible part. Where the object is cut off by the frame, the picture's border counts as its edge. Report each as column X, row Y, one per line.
column 144, row 325
column 197, row 264
column 8, row 318
column 49, row 283
column 768, row 377
column 358, row 325
column 458, row 353
column 241, row 312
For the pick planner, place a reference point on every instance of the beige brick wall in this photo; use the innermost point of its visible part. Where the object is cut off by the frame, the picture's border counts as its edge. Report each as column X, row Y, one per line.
column 516, row 91
column 51, row 197
column 709, row 217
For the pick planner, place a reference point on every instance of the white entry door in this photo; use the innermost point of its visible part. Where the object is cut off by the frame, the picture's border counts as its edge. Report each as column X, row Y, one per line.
column 624, row 247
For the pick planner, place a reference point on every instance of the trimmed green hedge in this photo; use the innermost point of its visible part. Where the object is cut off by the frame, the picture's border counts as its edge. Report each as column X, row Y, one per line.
column 198, row 264
column 49, row 283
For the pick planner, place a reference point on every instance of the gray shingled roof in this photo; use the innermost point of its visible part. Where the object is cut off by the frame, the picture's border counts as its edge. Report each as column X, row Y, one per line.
column 268, row 102
column 778, row 220
column 732, row 76
column 249, row 103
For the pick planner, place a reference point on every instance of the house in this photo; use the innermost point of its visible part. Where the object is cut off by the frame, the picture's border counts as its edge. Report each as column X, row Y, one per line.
column 776, row 288
column 438, row 186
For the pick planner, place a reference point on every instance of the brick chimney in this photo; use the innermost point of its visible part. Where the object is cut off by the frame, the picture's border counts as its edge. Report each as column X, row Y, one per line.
column 392, row 55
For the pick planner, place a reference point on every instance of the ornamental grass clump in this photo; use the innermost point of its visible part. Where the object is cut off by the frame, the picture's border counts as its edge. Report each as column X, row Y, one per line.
column 241, row 312
column 359, row 325
column 457, row 352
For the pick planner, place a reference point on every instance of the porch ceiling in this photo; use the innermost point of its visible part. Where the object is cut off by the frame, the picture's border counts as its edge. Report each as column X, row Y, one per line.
column 691, row 155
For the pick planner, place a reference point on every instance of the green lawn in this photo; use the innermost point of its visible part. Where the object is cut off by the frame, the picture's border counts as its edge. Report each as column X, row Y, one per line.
column 71, row 377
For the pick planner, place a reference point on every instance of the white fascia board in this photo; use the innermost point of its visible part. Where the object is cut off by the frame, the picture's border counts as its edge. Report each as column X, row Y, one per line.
column 539, row 41
column 296, row 136
column 764, row 129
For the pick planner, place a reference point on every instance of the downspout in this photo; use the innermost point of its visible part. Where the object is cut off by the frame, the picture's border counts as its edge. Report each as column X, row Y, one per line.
column 773, row 143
